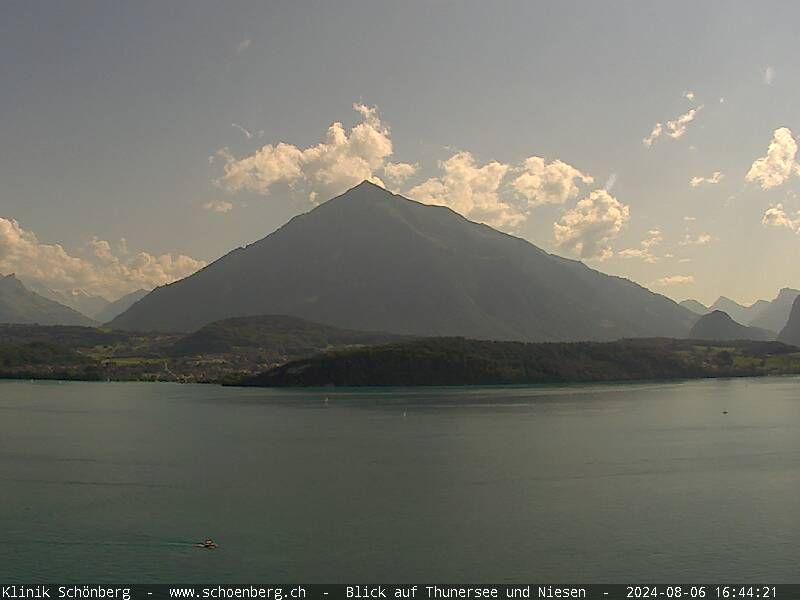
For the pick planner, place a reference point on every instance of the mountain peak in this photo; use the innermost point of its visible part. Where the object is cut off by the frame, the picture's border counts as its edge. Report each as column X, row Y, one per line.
column 720, row 326
column 376, row 261
column 367, row 184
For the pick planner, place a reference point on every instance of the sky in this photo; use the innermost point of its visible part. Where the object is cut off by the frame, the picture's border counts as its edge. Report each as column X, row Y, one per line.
column 652, row 140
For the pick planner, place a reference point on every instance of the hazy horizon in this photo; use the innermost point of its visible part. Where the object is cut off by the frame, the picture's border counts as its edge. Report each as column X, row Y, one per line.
column 140, row 142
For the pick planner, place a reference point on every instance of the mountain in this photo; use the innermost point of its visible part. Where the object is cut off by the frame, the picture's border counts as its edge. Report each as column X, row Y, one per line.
column 20, row 305
column 776, row 315
column 77, row 299
column 738, row 312
column 283, row 335
column 112, row 309
column 374, row 261
column 719, row 326
column 694, row 306
column 791, row 332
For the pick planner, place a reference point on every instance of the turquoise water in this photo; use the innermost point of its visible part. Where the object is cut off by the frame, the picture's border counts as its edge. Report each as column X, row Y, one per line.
column 108, row 482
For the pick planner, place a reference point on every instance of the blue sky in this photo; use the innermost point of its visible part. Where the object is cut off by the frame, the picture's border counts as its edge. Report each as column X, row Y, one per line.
column 117, row 121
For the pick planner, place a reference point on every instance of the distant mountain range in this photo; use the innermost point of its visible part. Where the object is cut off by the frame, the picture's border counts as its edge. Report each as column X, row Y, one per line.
column 18, row 304
column 95, row 307
column 113, row 309
column 719, row 326
column 77, row 299
column 765, row 314
column 374, row 261
column 775, row 316
column 694, row 306
column 791, row 332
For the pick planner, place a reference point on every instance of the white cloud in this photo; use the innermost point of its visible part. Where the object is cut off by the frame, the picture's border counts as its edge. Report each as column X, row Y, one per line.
column 587, row 229
column 673, row 280
column 715, row 178
column 689, row 95
column 769, row 74
column 645, row 251
column 674, row 129
column 218, row 206
column 654, row 134
column 776, row 216
column 778, row 164
column 106, row 273
column 342, row 160
column 610, row 182
column 698, row 240
column 397, row 173
column 548, row 183
column 470, row 190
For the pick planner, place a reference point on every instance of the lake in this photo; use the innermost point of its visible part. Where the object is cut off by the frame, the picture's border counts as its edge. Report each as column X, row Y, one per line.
column 114, row 482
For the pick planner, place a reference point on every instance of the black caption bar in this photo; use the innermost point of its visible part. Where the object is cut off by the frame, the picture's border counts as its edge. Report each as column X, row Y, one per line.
column 397, row 592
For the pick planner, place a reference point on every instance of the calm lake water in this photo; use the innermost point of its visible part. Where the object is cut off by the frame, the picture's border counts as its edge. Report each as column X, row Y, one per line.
column 109, row 482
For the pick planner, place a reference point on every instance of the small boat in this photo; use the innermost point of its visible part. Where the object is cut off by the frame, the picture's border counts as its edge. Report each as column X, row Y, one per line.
column 206, row 544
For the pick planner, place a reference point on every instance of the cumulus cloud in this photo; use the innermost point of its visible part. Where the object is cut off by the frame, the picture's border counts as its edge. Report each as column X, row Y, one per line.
column 776, row 216
column 689, row 95
column 555, row 182
column 107, row 271
column 471, row 190
column 397, row 173
column 777, row 166
column 645, row 250
column 218, row 206
column 714, row 179
column 342, row 160
column 674, row 129
column 673, row 280
column 587, row 229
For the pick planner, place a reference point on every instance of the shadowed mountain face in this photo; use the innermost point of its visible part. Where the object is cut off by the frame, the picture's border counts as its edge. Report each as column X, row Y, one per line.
column 374, row 261
column 791, row 333
column 20, row 305
column 718, row 326
column 113, row 309
column 775, row 315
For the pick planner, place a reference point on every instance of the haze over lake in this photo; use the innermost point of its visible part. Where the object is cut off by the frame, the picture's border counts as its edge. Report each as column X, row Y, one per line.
column 650, row 482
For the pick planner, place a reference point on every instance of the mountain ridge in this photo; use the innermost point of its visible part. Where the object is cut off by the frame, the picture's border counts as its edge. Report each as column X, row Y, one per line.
column 18, row 304
column 375, row 261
